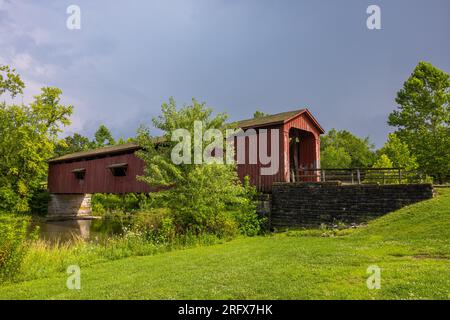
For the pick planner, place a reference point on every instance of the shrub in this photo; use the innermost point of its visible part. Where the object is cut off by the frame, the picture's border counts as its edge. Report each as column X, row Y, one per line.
column 223, row 225
column 382, row 176
column 155, row 225
column 13, row 245
column 244, row 212
column 248, row 222
column 201, row 194
column 103, row 203
column 201, row 202
column 39, row 202
column 155, row 200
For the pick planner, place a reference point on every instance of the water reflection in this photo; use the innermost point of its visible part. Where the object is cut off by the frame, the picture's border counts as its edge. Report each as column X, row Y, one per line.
column 87, row 229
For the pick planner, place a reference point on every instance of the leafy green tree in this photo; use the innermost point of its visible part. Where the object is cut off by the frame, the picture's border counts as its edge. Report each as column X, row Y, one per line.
column 201, row 194
column 337, row 147
column 335, row 158
column 382, row 176
column 77, row 142
column 383, row 162
column 73, row 143
column 422, row 119
column 398, row 152
column 259, row 114
column 123, row 141
column 28, row 135
column 103, row 137
column 160, row 169
column 10, row 81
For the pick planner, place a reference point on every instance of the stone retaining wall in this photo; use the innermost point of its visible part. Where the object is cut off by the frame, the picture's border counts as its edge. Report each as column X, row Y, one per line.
column 306, row 204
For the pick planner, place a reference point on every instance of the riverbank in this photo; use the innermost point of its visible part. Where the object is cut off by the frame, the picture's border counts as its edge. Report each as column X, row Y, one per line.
column 410, row 246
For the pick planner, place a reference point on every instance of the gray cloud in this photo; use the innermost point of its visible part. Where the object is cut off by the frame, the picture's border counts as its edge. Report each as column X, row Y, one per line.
column 130, row 56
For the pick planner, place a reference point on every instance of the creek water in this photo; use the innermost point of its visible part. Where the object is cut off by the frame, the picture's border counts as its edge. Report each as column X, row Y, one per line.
column 87, row 229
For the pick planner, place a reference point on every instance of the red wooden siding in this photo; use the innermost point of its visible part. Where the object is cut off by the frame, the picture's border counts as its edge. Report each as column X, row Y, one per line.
column 309, row 153
column 98, row 178
column 262, row 182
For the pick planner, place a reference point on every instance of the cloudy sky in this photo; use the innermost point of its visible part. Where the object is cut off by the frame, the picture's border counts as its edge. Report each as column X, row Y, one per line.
column 236, row 55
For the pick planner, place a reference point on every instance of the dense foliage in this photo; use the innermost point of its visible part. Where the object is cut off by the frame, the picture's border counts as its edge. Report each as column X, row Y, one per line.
column 28, row 134
column 14, row 244
column 422, row 119
column 71, row 144
column 342, row 149
column 201, row 195
column 10, row 81
column 398, row 154
column 119, row 203
column 78, row 142
column 259, row 114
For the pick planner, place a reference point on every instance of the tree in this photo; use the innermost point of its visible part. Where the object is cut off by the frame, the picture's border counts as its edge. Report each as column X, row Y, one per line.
column 160, row 169
column 338, row 147
column 382, row 176
column 10, row 81
column 77, row 142
column 201, row 194
column 422, row 119
column 123, row 141
column 28, row 135
column 335, row 158
column 398, row 152
column 383, row 162
column 103, row 137
column 71, row 144
column 259, row 114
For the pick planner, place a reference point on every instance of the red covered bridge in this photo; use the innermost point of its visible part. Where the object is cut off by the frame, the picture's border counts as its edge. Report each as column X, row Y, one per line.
column 114, row 169
column 104, row 170
column 299, row 146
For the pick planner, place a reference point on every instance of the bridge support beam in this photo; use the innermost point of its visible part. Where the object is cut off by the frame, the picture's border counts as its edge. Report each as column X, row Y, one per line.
column 69, row 205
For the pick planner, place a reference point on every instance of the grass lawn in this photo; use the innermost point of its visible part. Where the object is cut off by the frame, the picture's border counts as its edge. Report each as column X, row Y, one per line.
column 411, row 246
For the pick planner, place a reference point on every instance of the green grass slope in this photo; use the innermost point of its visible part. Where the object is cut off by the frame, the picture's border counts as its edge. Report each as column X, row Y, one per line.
column 411, row 246
column 423, row 227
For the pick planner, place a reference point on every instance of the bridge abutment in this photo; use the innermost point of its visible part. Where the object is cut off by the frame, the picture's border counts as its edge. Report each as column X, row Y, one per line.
column 69, row 205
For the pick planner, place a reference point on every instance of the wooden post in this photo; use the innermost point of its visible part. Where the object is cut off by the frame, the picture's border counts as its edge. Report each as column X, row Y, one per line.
column 358, row 175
